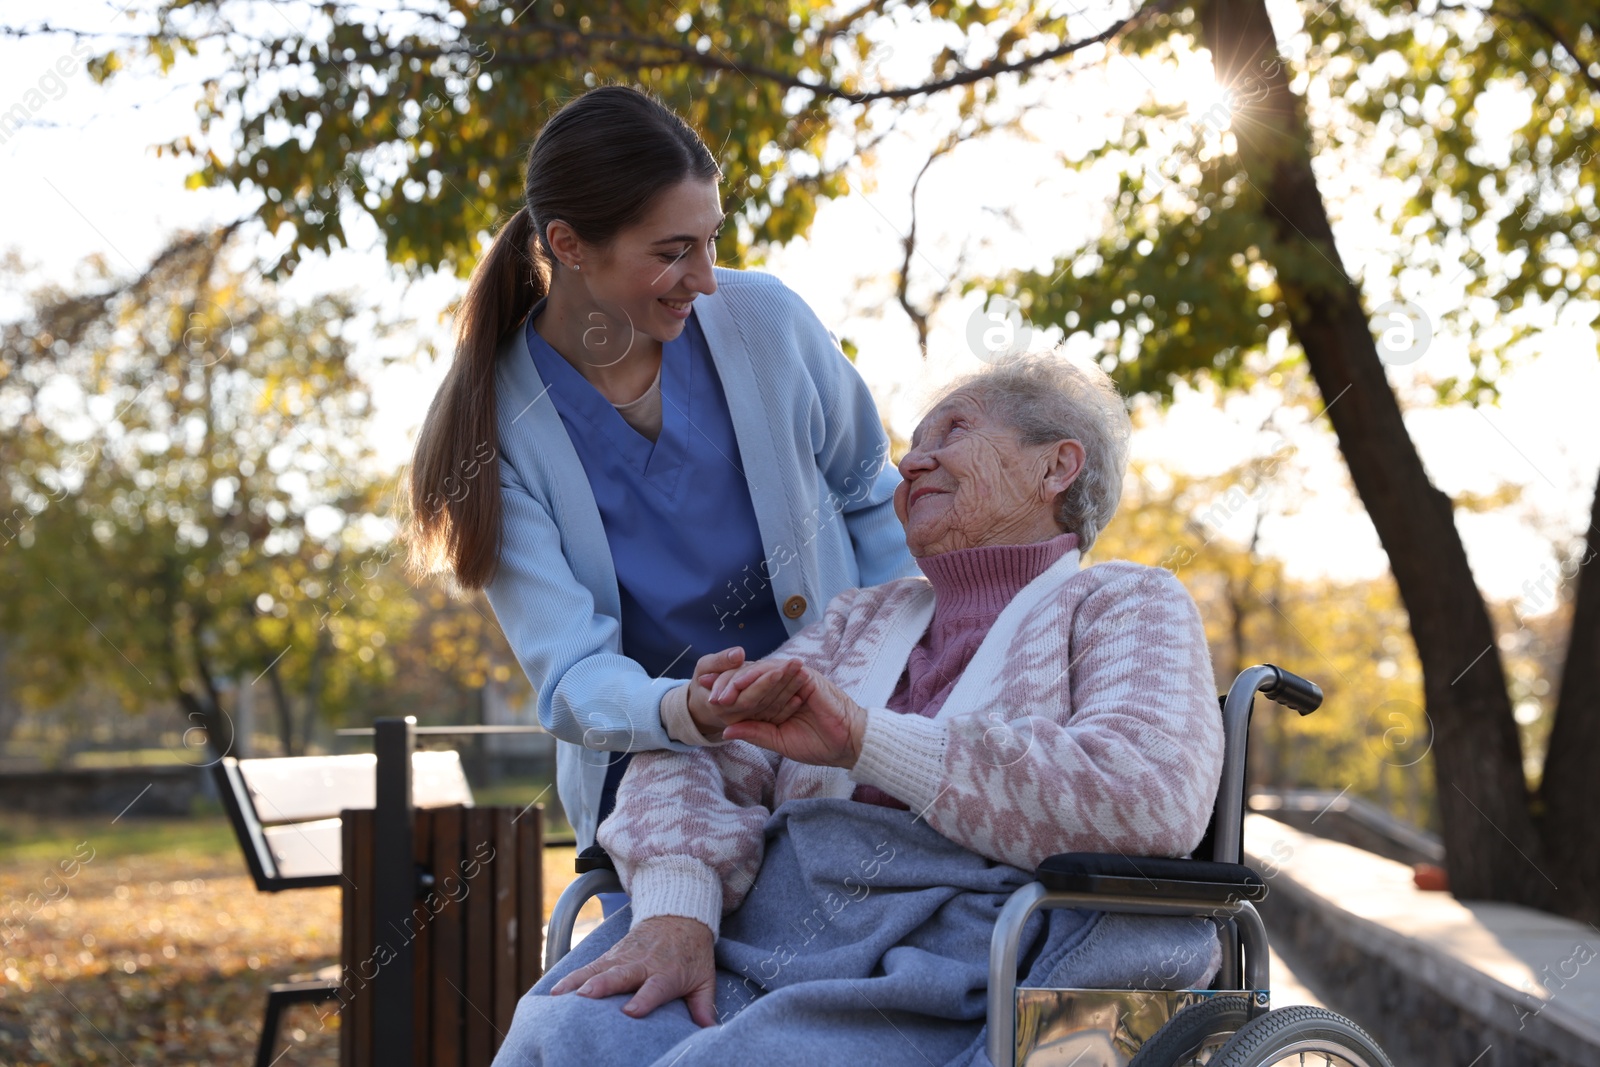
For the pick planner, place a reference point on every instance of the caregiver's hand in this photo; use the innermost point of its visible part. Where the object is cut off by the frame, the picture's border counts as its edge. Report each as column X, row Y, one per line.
column 770, row 691
column 825, row 730
column 660, row 960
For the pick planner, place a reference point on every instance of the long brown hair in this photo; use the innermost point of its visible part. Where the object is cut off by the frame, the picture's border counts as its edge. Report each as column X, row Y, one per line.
column 597, row 165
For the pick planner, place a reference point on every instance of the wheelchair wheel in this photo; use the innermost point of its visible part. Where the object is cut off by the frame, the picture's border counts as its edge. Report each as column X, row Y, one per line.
column 1195, row 1034
column 1289, row 1035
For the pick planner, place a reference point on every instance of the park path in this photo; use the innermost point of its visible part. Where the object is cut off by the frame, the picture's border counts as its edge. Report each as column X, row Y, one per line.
column 1525, row 973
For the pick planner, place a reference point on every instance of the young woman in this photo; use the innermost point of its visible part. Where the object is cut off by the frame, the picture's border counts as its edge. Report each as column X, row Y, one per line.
column 643, row 458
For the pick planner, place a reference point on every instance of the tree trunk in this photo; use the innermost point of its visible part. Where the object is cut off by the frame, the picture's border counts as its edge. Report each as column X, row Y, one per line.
column 205, row 707
column 280, row 702
column 308, row 720
column 1569, row 792
column 315, row 674
column 1491, row 849
column 204, row 714
column 10, row 706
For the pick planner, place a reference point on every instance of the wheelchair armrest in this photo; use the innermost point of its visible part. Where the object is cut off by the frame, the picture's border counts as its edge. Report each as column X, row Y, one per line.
column 564, row 916
column 593, row 858
column 1150, row 878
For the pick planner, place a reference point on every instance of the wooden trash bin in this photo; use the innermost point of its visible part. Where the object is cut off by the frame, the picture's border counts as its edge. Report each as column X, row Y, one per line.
column 476, row 933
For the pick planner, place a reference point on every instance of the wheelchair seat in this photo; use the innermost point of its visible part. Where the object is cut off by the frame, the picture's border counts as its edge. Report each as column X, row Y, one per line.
column 1155, row 878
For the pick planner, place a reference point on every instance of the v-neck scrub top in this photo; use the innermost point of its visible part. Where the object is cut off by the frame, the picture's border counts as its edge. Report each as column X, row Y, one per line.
column 677, row 512
column 813, row 458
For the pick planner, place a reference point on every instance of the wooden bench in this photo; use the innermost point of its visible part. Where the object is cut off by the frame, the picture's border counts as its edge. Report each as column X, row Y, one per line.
column 474, row 933
column 285, row 813
column 473, row 893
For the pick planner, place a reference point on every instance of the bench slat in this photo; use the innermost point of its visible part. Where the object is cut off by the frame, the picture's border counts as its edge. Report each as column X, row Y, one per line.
column 503, row 987
column 304, row 788
column 305, row 849
column 530, row 900
column 479, row 964
column 448, row 828
column 348, row 911
column 422, row 946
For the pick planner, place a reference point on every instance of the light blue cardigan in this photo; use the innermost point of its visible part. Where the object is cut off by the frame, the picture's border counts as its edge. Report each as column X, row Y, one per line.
column 817, row 462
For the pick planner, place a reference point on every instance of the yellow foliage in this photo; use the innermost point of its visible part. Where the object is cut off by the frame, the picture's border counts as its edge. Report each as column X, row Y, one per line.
column 1371, row 735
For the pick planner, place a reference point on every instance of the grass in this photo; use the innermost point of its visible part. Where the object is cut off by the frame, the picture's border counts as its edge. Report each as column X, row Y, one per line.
column 156, row 947
column 144, row 757
column 523, row 791
column 45, row 839
column 144, row 941
column 31, row 839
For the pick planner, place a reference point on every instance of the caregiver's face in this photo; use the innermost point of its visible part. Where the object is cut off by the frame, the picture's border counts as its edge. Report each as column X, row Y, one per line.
column 652, row 271
column 968, row 481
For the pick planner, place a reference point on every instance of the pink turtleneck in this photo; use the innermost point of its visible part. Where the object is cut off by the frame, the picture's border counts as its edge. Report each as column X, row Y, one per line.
column 971, row 586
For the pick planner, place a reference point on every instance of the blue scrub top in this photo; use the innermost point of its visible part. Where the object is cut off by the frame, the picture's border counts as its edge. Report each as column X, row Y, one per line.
column 676, row 511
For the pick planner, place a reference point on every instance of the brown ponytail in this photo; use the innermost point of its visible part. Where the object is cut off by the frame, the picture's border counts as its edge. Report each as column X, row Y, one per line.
column 597, row 165
column 455, row 471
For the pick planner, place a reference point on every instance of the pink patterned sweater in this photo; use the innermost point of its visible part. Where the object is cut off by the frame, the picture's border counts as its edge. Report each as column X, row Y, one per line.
column 1086, row 721
column 971, row 587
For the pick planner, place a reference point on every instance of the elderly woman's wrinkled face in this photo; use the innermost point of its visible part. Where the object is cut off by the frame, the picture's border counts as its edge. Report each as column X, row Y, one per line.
column 968, row 481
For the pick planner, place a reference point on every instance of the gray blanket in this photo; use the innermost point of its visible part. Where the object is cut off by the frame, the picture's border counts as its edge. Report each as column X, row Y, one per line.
column 865, row 939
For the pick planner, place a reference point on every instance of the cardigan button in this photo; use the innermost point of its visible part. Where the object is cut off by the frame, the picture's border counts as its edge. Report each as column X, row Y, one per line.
column 795, row 606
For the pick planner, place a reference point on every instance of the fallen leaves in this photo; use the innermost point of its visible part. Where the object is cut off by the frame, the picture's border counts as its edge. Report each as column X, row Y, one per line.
column 158, row 959
column 164, row 958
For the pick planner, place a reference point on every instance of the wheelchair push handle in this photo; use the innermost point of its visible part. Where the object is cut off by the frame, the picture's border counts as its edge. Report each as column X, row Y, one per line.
column 1292, row 691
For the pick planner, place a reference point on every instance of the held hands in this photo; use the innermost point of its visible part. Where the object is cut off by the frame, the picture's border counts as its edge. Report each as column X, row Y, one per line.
column 769, row 695
column 661, row 959
column 824, row 729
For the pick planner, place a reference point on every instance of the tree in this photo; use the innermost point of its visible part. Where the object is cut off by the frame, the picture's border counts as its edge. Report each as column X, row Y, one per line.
column 187, row 499
column 420, row 118
column 1221, row 240
column 1249, row 229
column 1369, row 737
column 454, row 649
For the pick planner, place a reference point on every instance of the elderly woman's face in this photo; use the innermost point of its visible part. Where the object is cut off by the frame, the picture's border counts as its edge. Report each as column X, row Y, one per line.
column 968, row 481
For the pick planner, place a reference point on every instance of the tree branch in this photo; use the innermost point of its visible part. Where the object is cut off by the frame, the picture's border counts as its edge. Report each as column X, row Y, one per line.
column 919, row 317
column 568, row 42
column 1531, row 18
column 1539, row 22
column 844, row 22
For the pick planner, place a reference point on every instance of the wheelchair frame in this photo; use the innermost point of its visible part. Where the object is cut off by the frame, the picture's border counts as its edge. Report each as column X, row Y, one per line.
column 1113, row 1024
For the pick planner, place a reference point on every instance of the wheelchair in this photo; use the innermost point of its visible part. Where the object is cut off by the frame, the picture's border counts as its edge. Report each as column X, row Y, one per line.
column 1230, row 1024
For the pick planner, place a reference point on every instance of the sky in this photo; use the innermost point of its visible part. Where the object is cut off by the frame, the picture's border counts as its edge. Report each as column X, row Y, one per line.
column 82, row 178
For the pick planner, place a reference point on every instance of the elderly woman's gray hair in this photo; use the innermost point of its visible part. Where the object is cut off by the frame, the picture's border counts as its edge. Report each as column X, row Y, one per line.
column 1048, row 397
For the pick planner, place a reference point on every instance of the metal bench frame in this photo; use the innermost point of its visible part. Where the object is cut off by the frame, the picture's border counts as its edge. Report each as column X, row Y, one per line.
column 249, row 830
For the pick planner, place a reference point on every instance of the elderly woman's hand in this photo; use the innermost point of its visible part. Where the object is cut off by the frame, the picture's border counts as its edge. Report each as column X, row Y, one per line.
column 660, row 960
column 825, row 730
column 766, row 694
column 766, row 689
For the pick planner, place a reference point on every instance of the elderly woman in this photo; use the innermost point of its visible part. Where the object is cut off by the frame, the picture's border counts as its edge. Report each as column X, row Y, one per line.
column 818, row 884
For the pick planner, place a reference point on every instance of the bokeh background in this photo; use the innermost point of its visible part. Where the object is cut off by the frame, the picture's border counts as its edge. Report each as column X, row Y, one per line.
column 1341, row 256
